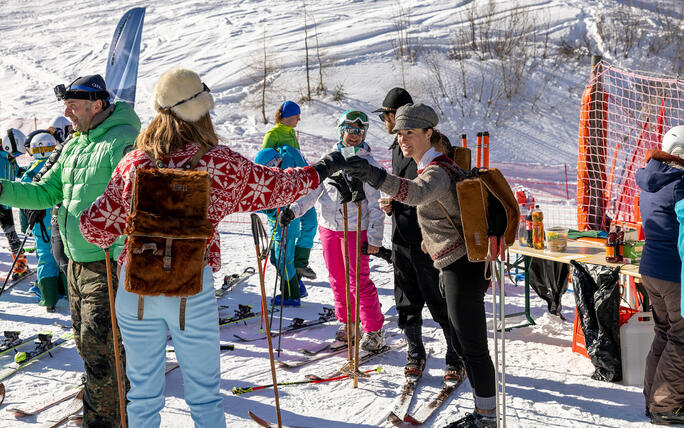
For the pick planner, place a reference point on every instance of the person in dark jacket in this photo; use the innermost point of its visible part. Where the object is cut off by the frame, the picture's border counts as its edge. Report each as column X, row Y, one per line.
column 662, row 185
column 416, row 281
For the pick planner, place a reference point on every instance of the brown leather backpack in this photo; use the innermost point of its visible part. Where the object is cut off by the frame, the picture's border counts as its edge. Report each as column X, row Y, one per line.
column 167, row 230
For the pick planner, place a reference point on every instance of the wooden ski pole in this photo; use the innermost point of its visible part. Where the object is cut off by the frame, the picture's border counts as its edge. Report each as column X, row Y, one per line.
column 345, row 218
column 115, row 341
column 358, row 283
column 256, row 222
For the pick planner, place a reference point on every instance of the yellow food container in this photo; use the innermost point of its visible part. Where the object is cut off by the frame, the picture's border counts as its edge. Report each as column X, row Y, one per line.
column 557, row 238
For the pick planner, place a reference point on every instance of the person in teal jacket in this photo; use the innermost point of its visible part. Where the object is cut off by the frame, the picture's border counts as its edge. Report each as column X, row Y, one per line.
column 49, row 282
column 104, row 133
column 292, row 287
column 12, row 146
column 283, row 135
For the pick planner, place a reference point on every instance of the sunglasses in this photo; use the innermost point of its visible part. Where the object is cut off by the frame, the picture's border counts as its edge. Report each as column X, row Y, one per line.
column 385, row 115
column 352, row 130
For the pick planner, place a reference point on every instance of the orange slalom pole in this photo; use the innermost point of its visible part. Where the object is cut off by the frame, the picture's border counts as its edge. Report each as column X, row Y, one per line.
column 464, row 141
column 478, row 156
column 485, row 149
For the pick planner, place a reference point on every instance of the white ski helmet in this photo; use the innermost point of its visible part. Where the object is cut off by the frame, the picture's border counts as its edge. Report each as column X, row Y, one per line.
column 13, row 142
column 61, row 126
column 42, row 145
column 673, row 141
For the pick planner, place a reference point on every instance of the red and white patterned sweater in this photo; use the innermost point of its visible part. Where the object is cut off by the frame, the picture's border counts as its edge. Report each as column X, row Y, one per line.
column 237, row 185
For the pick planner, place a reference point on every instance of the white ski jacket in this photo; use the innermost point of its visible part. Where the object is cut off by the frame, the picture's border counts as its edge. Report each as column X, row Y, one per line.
column 329, row 209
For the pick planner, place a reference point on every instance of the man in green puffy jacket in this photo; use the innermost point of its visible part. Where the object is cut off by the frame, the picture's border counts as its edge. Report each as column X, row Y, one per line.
column 104, row 133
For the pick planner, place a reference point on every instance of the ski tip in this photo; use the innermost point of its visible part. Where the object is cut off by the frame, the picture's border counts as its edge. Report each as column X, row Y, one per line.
column 2, row 392
column 411, row 420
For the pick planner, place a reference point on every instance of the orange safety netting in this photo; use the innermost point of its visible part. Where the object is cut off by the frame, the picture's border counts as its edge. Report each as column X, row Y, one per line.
column 623, row 115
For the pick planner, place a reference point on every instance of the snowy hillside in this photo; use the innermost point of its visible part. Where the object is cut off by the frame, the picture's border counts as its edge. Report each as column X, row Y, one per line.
column 531, row 112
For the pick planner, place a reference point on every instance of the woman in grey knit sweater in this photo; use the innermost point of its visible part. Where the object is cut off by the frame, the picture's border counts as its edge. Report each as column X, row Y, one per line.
column 462, row 281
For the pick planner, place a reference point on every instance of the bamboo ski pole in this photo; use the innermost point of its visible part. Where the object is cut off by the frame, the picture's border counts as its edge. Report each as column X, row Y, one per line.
column 345, row 218
column 358, row 286
column 256, row 221
column 115, row 341
column 244, row 390
column 281, row 264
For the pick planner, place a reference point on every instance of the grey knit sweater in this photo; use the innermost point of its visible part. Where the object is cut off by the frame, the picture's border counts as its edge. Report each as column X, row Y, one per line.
column 433, row 184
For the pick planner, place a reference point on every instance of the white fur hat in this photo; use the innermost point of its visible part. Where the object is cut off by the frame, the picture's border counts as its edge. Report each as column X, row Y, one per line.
column 183, row 92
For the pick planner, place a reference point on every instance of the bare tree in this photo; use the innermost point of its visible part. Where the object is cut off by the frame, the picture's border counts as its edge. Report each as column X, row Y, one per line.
column 307, row 97
column 320, row 88
column 262, row 73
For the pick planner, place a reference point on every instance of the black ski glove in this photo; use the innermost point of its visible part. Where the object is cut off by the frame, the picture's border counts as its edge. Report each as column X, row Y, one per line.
column 339, row 182
column 356, row 187
column 364, row 171
column 328, row 165
column 35, row 216
column 286, row 216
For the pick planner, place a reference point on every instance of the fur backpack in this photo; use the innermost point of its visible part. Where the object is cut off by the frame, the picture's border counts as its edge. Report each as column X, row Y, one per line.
column 167, row 230
column 488, row 208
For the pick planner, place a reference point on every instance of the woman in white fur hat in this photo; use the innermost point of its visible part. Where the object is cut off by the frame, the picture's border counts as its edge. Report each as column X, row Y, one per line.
column 181, row 128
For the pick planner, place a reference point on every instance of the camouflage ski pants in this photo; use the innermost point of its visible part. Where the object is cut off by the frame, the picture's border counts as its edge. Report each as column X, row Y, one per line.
column 89, row 301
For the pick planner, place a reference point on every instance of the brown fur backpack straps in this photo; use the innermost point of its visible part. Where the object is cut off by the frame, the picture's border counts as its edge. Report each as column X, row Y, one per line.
column 488, row 208
column 167, row 230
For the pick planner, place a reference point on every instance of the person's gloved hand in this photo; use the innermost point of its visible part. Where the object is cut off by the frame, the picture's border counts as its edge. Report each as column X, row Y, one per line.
column 286, row 216
column 328, row 165
column 364, row 171
column 35, row 216
column 356, row 187
column 339, row 182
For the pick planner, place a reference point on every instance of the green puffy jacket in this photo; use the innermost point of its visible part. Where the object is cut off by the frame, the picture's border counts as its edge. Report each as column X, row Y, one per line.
column 78, row 178
column 280, row 135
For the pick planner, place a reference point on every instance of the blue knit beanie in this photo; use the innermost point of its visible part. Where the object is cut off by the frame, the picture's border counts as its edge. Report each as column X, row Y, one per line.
column 289, row 108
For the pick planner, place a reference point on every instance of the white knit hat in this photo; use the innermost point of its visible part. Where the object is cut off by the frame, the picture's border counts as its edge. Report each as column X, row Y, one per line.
column 183, row 92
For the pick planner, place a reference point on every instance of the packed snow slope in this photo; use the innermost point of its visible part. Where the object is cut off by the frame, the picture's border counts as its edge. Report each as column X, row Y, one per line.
column 50, row 42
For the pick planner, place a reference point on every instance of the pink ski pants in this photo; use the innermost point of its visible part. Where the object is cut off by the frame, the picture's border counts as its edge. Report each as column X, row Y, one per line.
column 370, row 311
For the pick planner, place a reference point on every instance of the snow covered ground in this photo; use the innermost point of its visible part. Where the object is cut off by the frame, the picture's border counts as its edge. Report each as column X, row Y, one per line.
column 50, row 42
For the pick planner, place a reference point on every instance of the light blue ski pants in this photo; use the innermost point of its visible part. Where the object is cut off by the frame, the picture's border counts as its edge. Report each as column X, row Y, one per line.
column 197, row 350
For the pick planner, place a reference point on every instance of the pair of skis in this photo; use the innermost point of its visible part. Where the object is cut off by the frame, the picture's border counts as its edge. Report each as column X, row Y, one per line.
column 297, row 324
column 74, row 394
column 400, row 408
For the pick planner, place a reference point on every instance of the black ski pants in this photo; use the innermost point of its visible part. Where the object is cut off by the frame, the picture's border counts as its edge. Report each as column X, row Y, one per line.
column 464, row 288
column 7, row 222
column 416, row 283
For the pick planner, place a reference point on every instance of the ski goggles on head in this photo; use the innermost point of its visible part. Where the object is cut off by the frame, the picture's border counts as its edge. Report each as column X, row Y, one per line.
column 79, row 93
column 356, row 116
column 352, row 130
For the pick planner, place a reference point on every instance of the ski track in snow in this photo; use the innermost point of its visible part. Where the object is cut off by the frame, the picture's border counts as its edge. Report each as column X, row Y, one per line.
column 54, row 42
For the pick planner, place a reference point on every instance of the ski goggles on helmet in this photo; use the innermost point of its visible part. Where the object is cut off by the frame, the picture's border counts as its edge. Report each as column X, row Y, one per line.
column 79, row 92
column 355, row 116
column 352, row 130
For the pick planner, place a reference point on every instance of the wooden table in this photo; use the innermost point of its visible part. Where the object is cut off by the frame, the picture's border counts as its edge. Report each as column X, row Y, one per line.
column 581, row 251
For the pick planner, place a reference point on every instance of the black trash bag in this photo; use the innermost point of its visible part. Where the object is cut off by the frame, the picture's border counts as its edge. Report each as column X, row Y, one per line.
column 597, row 295
column 550, row 280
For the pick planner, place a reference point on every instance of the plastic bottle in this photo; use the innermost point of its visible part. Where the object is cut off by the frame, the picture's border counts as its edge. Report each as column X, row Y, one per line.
column 528, row 226
column 537, row 228
column 522, row 227
column 620, row 250
column 636, row 337
column 611, row 246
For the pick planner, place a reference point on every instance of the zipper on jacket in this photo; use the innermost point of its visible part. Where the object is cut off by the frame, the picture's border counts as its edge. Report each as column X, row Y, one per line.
column 71, row 193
